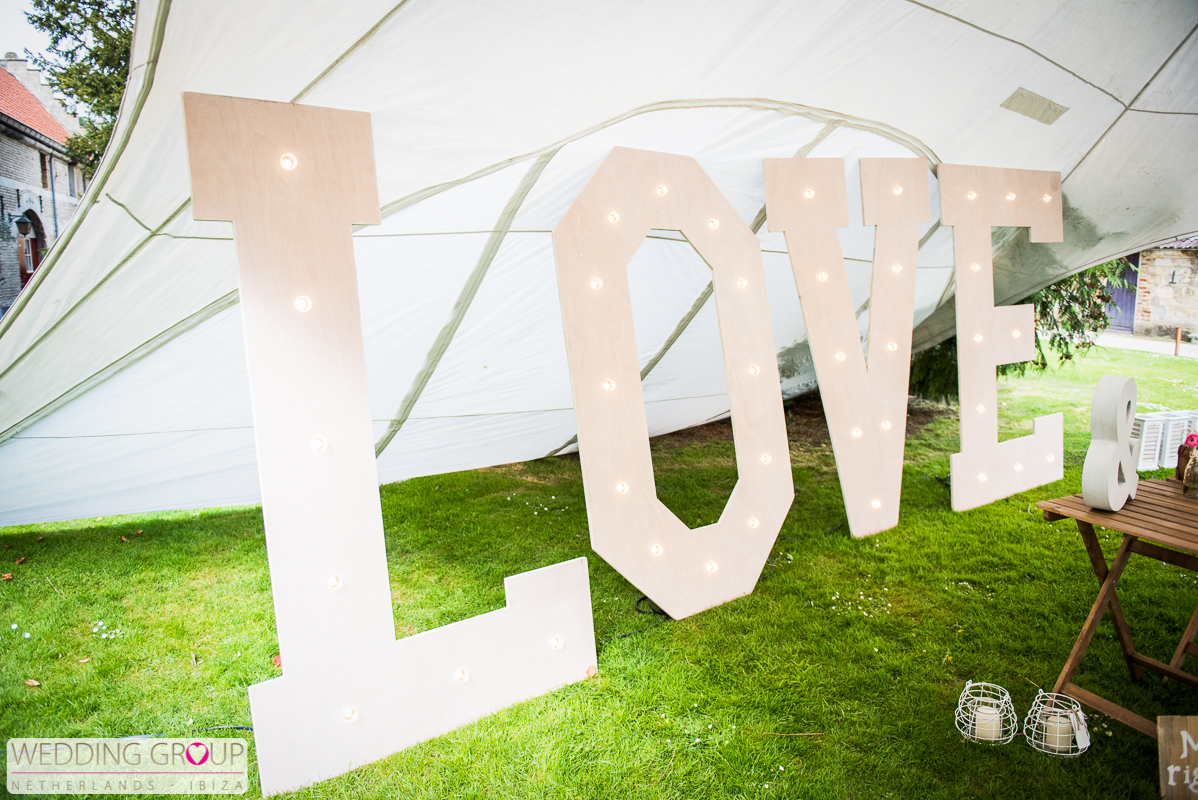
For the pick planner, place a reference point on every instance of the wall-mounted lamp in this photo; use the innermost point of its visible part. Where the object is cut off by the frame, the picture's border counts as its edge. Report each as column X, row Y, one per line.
column 23, row 225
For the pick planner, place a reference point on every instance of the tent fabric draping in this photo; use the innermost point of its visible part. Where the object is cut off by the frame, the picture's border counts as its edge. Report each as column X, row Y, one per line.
column 122, row 374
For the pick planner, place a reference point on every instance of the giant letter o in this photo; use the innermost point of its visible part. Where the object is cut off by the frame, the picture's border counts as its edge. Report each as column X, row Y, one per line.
column 684, row 571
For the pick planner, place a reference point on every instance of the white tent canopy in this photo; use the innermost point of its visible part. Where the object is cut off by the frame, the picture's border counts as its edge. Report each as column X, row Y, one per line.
column 122, row 373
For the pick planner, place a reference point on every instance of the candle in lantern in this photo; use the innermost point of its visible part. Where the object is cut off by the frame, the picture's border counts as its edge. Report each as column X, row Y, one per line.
column 1058, row 733
column 987, row 723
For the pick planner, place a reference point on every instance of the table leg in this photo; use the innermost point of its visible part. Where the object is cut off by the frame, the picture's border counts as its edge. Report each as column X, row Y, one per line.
column 1098, row 562
column 1191, row 631
column 1105, row 594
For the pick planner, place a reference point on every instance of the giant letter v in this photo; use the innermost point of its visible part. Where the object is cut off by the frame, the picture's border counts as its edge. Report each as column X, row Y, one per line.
column 865, row 402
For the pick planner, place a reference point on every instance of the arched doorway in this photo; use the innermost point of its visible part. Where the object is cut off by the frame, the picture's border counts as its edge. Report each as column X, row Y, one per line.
column 30, row 246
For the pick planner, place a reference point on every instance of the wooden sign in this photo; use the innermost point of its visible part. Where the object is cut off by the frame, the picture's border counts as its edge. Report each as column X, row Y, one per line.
column 1177, row 743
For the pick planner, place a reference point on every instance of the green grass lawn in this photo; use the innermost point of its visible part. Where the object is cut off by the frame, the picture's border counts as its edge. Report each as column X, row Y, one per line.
column 837, row 677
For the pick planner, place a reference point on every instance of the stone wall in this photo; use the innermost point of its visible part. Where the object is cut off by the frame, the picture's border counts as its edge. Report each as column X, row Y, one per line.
column 21, row 190
column 1167, row 293
column 26, row 166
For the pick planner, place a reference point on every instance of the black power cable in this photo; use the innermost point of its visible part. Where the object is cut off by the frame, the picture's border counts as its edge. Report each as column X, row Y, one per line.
column 651, row 609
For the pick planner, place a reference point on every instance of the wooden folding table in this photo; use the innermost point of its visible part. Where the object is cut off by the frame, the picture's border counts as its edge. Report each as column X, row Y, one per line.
column 1160, row 523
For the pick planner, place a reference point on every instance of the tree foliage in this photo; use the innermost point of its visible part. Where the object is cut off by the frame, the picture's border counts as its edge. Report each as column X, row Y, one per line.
column 1069, row 314
column 88, row 63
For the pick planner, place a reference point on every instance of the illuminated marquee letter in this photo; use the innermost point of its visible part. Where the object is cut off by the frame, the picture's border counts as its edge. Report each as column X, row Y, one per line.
column 865, row 401
column 683, row 571
column 972, row 199
column 293, row 179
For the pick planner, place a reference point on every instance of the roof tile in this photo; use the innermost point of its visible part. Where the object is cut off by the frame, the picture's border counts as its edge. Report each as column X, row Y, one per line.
column 17, row 102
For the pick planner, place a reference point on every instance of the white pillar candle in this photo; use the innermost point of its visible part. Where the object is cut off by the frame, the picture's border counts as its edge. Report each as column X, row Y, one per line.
column 1058, row 733
column 987, row 723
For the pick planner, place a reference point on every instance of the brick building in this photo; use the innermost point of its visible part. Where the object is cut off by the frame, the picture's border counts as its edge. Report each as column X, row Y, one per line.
column 37, row 180
column 1167, row 290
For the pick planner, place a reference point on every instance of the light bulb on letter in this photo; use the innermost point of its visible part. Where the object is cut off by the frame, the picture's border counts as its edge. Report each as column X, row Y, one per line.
column 609, row 385
column 765, row 458
column 349, row 714
column 656, row 550
column 318, row 444
column 711, row 567
column 753, row 370
column 288, row 162
column 303, row 303
column 622, row 488
column 556, row 643
column 742, row 283
column 596, row 283
column 662, row 189
column 333, row 581
column 753, row 523
column 810, row 193
column 613, row 217
column 461, row 676
column 713, row 223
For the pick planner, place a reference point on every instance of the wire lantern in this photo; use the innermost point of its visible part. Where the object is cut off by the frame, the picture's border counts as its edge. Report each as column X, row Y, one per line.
column 1056, row 725
column 985, row 714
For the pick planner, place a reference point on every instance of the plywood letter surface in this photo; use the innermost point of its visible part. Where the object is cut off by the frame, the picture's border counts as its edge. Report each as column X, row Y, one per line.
column 683, row 571
column 1109, row 477
column 972, row 201
column 865, row 401
column 293, row 179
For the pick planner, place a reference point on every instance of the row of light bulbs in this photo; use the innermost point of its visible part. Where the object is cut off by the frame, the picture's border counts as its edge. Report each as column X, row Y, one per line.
column 289, row 162
column 1010, row 196
column 597, row 283
column 1015, row 334
column 810, row 193
column 895, row 268
column 614, row 216
column 711, row 565
column 350, row 714
column 1017, row 466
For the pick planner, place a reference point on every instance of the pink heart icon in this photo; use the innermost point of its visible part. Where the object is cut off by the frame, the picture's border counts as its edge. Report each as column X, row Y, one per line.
column 197, row 753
